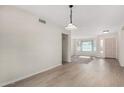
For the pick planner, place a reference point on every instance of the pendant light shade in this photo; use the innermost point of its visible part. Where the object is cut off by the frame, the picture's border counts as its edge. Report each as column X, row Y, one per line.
column 70, row 26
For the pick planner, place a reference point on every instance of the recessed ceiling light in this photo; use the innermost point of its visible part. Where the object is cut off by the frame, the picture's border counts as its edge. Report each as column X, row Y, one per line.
column 106, row 31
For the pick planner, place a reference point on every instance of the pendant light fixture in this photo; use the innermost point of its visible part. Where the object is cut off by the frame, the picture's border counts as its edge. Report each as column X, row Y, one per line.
column 70, row 26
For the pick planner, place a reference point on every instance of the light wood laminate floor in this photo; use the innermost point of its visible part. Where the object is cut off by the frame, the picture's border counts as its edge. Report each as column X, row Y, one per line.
column 97, row 72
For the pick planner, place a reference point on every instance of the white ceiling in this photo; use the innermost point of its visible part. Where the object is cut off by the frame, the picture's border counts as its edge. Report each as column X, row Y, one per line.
column 90, row 19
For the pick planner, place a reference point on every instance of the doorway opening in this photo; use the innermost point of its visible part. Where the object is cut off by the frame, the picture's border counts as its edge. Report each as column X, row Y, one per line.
column 64, row 48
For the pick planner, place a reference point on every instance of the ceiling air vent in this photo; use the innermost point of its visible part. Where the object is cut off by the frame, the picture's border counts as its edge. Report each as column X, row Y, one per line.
column 42, row 21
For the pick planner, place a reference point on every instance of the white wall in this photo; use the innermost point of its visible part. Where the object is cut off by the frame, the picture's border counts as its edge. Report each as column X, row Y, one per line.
column 121, row 47
column 26, row 46
column 110, row 47
column 104, row 37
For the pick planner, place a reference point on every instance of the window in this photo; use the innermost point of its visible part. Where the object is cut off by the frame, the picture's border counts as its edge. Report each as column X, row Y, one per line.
column 88, row 46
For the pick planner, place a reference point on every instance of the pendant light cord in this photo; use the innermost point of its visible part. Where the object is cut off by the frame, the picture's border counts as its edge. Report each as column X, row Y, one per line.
column 71, row 15
column 70, row 6
column 70, row 26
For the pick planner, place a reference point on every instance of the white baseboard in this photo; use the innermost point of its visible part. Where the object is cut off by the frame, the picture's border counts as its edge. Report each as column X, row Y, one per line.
column 122, row 65
column 24, row 77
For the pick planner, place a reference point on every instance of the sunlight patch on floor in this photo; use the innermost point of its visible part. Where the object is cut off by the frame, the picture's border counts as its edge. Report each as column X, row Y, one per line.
column 84, row 57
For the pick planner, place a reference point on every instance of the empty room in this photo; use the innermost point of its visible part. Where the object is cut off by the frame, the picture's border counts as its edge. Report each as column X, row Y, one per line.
column 61, row 46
